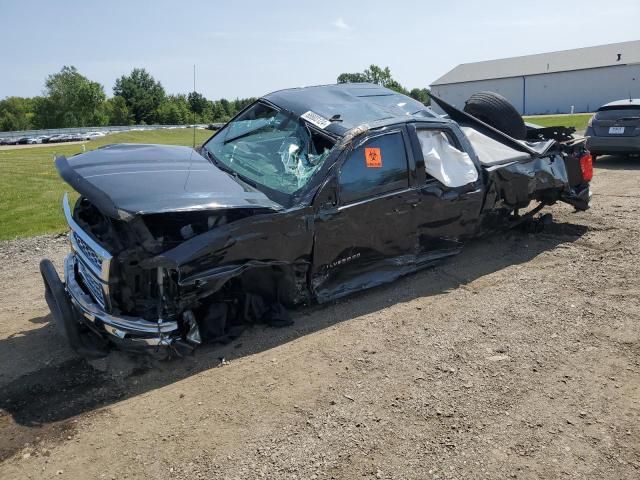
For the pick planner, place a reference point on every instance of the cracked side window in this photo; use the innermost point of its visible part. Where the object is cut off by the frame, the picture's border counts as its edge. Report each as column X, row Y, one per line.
column 379, row 165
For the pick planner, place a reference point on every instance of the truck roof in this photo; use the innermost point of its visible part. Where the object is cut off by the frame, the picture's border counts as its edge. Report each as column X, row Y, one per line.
column 349, row 105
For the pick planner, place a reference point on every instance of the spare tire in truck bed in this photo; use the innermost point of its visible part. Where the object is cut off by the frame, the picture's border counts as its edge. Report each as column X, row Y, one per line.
column 496, row 111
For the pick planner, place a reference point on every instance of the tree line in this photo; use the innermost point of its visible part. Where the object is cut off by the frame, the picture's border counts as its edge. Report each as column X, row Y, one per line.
column 70, row 99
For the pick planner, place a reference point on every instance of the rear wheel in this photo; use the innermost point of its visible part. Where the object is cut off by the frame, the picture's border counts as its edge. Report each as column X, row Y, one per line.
column 495, row 110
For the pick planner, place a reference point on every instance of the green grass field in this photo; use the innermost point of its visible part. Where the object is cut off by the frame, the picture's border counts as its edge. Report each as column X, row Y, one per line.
column 31, row 190
column 579, row 120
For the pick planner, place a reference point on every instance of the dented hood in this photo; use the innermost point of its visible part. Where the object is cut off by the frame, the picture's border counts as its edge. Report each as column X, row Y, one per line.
column 131, row 179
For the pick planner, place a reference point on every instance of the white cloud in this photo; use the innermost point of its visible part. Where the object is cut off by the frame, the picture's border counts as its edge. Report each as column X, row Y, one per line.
column 341, row 24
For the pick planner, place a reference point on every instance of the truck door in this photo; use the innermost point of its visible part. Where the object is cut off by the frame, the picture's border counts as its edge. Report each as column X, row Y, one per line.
column 368, row 236
column 446, row 214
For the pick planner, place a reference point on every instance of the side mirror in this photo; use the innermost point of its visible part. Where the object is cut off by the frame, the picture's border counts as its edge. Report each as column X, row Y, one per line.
column 327, row 198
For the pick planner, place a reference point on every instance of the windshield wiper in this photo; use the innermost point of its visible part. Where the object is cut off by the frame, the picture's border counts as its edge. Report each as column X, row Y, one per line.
column 227, row 169
column 245, row 134
column 217, row 162
column 210, row 156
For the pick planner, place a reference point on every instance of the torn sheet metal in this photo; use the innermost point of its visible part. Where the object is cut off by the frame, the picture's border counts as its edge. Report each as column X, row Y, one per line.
column 543, row 178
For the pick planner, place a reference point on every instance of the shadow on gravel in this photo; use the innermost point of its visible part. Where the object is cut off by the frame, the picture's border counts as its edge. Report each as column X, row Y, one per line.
column 44, row 319
column 618, row 162
column 41, row 404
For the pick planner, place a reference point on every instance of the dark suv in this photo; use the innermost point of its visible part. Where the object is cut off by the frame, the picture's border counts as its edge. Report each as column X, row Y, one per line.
column 615, row 129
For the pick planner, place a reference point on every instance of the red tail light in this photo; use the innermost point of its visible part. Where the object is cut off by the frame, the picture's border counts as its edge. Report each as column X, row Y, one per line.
column 586, row 165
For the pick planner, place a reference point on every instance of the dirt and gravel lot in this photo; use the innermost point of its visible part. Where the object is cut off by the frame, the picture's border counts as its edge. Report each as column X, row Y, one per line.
column 520, row 358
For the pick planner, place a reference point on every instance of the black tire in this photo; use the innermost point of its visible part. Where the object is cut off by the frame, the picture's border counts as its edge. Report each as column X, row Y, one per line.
column 495, row 110
column 85, row 344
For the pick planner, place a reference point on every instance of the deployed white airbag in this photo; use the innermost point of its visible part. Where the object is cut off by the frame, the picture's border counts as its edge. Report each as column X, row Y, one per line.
column 444, row 161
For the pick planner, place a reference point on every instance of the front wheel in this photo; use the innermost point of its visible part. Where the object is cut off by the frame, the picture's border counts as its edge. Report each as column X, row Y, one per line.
column 85, row 344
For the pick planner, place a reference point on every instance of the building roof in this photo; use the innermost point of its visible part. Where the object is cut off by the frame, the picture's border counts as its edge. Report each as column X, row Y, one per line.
column 624, row 53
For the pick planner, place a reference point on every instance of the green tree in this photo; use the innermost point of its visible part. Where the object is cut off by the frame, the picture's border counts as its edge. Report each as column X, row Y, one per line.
column 70, row 100
column 421, row 94
column 374, row 74
column 175, row 111
column 142, row 94
column 197, row 102
column 16, row 113
column 117, row 111
column 218, row 113
column 227, row 107
column 352, row 78
column 378, row 75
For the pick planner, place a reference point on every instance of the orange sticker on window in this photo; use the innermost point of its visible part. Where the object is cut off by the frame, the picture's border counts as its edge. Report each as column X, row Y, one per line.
column 373, row 157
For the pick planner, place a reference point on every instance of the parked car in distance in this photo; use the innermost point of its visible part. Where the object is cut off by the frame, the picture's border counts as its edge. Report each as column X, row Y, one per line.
column 615, row 129
column 56, row 138
column 36, row 140
column 93, row 135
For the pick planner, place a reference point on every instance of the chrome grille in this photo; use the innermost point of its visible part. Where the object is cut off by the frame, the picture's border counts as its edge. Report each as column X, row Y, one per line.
column 88, row 252
column 92, row 284
column 93, row 260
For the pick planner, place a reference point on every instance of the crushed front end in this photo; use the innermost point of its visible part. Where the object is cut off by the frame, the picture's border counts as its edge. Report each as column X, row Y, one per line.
column 138, row 204
column 88, row 310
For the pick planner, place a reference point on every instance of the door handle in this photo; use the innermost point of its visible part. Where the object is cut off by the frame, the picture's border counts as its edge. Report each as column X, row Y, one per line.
column 327, row 213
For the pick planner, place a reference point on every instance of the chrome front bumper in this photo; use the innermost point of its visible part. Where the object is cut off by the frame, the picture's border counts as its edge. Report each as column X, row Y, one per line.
column 121, row 329
column 86, row 276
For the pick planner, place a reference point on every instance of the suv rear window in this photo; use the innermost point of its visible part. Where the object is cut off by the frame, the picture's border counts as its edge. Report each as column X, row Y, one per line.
column 633, row 113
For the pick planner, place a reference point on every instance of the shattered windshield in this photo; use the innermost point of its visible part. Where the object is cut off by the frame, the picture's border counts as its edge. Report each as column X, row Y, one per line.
column 270, row 148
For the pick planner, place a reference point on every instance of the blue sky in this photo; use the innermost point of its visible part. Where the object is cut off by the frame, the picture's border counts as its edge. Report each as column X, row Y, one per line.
column 248, row 48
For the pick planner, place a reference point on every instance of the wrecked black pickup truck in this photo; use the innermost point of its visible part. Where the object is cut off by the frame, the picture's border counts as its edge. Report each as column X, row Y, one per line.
column 307, row 195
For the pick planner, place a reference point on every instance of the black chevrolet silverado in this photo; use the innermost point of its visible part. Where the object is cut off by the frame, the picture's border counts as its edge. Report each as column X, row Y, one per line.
column 307, row 195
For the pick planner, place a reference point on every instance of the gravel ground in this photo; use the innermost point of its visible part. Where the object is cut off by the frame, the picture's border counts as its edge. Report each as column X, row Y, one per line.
column 519, row 358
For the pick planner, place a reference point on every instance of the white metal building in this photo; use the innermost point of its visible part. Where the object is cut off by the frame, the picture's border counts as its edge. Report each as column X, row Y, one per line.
column 554, row 82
